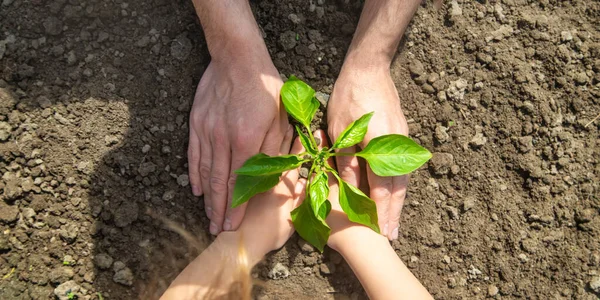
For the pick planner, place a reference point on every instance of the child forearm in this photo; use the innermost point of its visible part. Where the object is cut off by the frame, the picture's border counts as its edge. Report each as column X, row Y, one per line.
column 216, row 268
column 375, row 263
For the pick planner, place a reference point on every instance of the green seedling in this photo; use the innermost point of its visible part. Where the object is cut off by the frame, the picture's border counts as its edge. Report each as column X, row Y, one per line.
column 70, row 295
column 388, row 155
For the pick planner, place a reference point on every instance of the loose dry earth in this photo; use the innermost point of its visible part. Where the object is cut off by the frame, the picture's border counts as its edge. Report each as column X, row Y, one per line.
column 94, row 99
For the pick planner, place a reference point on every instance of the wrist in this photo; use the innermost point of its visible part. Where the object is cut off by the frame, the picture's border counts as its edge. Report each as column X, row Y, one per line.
column 254, row 249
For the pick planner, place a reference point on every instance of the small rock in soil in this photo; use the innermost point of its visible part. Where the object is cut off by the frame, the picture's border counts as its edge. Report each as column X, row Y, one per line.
column 441, row 163
column 304, row 172
column 287, row 40
column 103, row 261
column 492, row 290
column 5, row 131
column 455, row 9
column 183, row 180
column 327, row 268
column 8, row 213
column 323, row 98
column 110, row 140
column 124, row 277
column 441, row 134
column 279, row 271
column 126, row 214
column 61, row 274
column 595, row 284
column 456, row 91
column 469, row 203
column 416, row 68
column 146, row 148
column 146, row 168
column 66, row 290
column 53, row 26
column 69, row 233
column 305, row 246
column 181, row 47
column 478, row 140
column 168, row 195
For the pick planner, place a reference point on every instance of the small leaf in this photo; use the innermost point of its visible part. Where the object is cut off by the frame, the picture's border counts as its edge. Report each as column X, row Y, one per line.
column 306, row 142
column 354, row 133
column 394, row 155
column 318, row 191
column 299, row 100
column 262, row 164
column 311, row 228
column 359, row 208
column 248, row 186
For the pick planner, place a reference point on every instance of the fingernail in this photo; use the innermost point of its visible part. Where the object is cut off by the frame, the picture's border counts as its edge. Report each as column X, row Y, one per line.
column 227, row 225
column 208, row 212
column 395, row 233
column 195, row 190
column 213, row 228
column 385, row 230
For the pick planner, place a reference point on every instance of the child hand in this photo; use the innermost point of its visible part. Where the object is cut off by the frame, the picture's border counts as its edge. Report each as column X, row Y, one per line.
column 267, row 224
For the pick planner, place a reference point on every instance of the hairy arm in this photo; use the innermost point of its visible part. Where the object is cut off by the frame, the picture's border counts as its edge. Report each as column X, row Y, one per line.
column 381, row 26
column 228, row 27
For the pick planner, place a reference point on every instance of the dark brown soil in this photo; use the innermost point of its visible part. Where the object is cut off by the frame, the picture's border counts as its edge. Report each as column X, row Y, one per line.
column 94, row 102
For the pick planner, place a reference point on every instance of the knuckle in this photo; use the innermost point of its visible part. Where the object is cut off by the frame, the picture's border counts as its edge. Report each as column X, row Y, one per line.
column 218, row 185
column 204, row 172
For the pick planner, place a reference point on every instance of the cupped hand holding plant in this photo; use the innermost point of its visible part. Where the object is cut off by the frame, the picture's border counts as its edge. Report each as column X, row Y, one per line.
column 356, row 92
column 387, row 155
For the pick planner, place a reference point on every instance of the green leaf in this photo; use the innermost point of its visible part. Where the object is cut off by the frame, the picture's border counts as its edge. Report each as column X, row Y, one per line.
column 359, row 208
column 318, row 190
column 248, row 186
column 394, row 155
column 311, row 228
column 299, row 100
column 262, row 164
column 354, row 133
column 306, row 142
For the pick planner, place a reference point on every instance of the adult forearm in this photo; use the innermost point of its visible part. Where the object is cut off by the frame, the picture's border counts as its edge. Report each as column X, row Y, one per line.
column 381, row 26
column 229, row 28
column 377, row 266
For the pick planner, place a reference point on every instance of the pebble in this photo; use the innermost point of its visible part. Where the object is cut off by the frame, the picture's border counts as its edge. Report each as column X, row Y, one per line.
column 69, row 233
column 323, row 98
column 279, row 271
column 61, row 274
column 320, row 12
column 493, row 290
column 53, row 26
column 168, row 195
column 146, row 168
column 146, row 148
column 416, row 68
column 183, row 180
column 478, row 140
column 7, row 2
column 304, row 172
column 126, row 214
column 5, row 131
column 469, row 203
column 566, row 36
column 287, row 40
column 305, row 246
column 428, row 89
column 595, row 284
column 8, row 213
column 441, row 134
column 327, row 268
column 457, row 88
column 581, row 78
column 452, row 212
column 294, row 18
column 65, row 291
column 181, row 47
column 455, row 9
column 441, row 163
column 110, row 140
column 124, row 277
column 44, row 102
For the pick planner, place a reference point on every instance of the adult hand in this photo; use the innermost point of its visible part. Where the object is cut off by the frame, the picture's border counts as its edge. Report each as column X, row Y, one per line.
column 236, row 114
column 358, row 91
